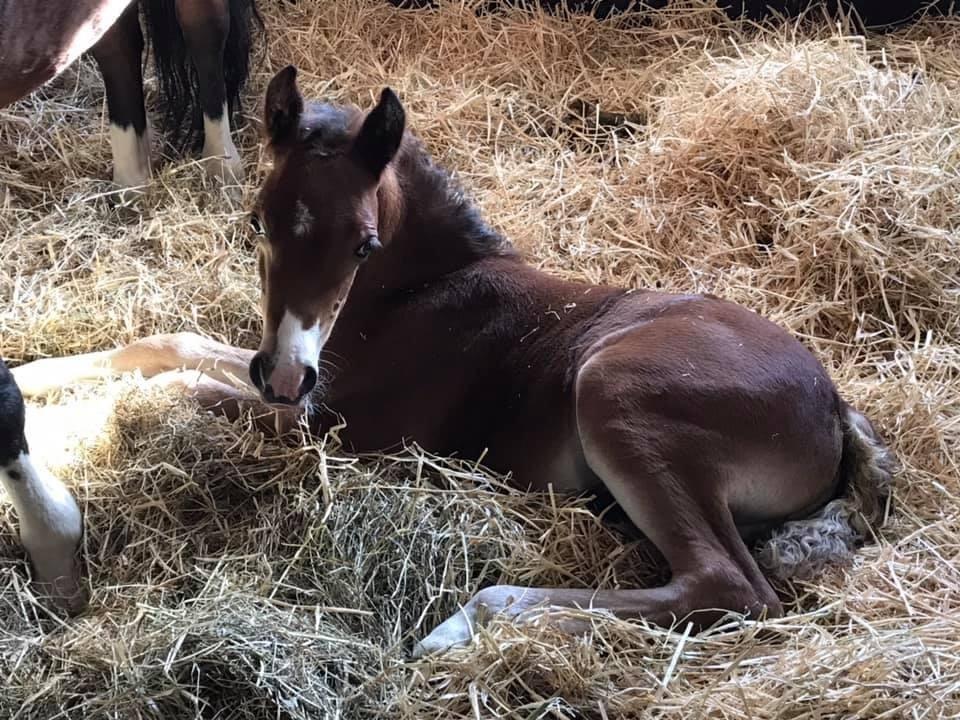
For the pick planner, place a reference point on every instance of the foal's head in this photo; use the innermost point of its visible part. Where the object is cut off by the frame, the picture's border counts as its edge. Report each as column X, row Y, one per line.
column 321, row 212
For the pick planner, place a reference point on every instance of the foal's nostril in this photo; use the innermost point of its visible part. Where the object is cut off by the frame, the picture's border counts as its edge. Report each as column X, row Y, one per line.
column 309, row 381
column 258, row 371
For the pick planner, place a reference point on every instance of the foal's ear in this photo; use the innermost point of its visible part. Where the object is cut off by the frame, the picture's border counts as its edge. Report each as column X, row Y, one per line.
column 381, row 134
column 283, row 107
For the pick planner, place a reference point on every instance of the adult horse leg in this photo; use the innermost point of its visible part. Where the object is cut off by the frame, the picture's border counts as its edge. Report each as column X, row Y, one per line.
column 206, row 25
column 51, row 524
column 119, row 54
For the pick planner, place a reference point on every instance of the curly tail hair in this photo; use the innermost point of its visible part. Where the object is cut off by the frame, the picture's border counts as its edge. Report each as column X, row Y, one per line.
column 177, row 77
column 802, row 548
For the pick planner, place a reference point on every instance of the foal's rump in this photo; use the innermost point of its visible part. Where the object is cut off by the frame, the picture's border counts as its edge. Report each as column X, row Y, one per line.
column 740, row 415
column 802, row 548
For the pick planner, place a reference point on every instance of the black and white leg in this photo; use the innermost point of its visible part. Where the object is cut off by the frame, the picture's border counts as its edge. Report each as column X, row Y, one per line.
column 51, row 524
column 119, row 55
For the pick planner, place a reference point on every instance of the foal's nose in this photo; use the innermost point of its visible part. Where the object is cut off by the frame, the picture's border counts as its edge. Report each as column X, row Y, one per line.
column 285, row 384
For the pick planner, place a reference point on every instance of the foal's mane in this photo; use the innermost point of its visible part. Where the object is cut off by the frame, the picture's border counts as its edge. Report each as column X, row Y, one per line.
column 429, row 190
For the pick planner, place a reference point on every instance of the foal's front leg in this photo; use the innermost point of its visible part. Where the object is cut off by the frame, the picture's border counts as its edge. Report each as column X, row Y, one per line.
column 151, row 356
column 213, row 373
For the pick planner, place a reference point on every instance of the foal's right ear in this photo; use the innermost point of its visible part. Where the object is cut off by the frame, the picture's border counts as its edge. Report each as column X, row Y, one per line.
column 283, row 107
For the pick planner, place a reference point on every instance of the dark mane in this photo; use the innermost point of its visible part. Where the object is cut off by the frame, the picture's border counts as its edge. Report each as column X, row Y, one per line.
column 444, row 201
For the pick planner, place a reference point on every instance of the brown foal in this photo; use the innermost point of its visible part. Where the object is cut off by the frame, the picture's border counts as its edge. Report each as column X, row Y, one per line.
column 388, row 302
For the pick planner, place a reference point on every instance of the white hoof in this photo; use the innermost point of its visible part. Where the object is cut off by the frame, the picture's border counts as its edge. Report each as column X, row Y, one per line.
column 457, row 631
column 35, row 379
column 58, row 578
column 226, row 169
column 221, row 155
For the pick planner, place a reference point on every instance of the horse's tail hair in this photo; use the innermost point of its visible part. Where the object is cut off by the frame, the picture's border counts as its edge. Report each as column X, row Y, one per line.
column 803, row 548
column 177, row 81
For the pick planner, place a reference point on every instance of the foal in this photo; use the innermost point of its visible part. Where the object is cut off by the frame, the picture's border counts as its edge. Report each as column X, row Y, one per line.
column 710, row 426
column 201, row 50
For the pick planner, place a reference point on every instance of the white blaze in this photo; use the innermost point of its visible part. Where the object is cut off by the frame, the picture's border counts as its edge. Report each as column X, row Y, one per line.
column 296, row 345
column 302, row 219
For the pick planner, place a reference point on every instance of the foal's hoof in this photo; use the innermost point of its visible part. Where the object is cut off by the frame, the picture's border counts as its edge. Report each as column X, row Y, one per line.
column 35, row 379
column 457, row 631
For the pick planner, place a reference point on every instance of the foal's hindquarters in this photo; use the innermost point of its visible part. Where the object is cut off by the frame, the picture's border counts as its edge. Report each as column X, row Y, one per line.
column 51, row 524
column 711, row 427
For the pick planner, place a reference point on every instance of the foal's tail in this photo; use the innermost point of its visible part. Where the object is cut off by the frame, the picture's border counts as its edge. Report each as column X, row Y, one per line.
column 802, row 548
column 177, row 77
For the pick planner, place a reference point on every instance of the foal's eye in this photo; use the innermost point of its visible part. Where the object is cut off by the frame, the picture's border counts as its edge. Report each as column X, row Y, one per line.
column 255, row 224
column 365, row 248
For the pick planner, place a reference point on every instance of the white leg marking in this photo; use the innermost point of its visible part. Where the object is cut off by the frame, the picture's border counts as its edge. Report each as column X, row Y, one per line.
column 458, row 630
column 131, row 156
column 51, row 526
column 218, row 145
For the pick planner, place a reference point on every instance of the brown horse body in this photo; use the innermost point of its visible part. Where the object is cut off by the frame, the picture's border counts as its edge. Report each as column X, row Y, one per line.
column 390, row 302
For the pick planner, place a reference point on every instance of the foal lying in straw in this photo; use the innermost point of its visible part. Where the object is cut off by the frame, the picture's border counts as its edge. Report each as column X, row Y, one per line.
column 389, row 302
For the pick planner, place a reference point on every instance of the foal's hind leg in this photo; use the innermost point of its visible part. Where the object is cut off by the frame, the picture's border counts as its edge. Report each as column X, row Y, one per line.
column 205, row 25
column 673, row 497
column 118, row 55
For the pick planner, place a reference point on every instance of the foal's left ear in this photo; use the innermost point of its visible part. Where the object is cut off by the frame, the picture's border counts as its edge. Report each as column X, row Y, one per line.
column 381, row 134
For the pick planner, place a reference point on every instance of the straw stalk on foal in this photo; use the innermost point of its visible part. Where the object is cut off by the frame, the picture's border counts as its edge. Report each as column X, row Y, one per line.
column 387, row 300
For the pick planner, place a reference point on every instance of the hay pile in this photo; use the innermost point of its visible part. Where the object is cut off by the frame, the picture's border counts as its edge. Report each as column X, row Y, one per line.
column 812, row 175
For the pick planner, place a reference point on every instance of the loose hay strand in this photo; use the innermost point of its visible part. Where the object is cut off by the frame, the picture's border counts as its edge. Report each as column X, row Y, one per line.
column 807, row 172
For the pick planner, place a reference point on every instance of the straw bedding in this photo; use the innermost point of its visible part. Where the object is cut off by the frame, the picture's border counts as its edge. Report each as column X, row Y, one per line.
column 810, row 174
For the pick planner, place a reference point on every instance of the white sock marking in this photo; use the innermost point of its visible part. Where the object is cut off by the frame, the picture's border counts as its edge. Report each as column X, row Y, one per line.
column 131, row 156
column 218, row 144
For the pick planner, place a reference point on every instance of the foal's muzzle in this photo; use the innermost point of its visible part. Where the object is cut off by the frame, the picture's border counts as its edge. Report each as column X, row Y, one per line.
column 291, row 385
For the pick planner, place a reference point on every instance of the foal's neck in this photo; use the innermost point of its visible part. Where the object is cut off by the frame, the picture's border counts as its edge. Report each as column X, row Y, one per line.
column 438, row 231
